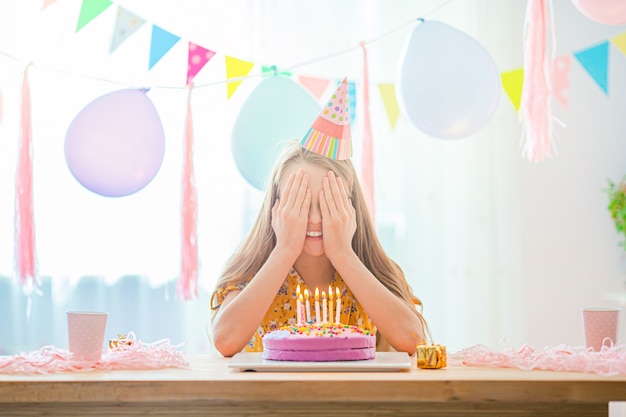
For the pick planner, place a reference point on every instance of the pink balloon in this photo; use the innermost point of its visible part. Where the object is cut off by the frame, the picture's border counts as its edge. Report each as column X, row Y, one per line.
column 115, row 145
column 608, row 12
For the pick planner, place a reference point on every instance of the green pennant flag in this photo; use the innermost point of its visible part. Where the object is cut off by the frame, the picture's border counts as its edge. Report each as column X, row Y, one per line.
column 89, row 10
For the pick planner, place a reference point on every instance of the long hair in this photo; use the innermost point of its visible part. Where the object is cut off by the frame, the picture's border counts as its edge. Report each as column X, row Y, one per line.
column 256, row 248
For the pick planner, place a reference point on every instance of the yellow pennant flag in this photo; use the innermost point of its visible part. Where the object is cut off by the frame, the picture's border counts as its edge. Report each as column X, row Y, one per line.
column 388, row 94
column 236, row 68
column 620, row 42
column 512, row 82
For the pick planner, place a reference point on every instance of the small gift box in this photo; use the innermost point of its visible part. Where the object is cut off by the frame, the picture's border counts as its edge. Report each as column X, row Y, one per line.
column 122, row 341
column 431, row 356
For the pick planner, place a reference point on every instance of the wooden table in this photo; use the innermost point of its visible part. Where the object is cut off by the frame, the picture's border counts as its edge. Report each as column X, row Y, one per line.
column 211, row 388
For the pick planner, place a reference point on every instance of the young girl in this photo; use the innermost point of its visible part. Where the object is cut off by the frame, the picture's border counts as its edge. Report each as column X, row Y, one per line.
column 313, row 230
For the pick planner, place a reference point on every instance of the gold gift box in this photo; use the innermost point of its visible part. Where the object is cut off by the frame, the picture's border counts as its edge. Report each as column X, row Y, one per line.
column 431, row 356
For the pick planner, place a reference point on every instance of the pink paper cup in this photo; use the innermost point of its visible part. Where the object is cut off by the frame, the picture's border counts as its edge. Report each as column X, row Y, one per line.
column 600, row 327
column 86, row 334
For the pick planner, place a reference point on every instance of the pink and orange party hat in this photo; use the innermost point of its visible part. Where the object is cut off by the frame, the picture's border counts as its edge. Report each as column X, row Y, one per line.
column 330, row 133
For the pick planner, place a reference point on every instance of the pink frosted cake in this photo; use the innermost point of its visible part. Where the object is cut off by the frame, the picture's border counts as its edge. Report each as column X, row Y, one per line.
column 319, row 343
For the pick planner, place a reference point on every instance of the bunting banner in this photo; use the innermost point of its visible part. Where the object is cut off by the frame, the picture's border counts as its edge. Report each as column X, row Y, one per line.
column 89, row 10
column 388, row 95
column 161, row 42
column 126, row 23
column 316, row 86
column 236, row 68
column 512, row 82
column 46, row 3
column 197, row 58
column 595, row 61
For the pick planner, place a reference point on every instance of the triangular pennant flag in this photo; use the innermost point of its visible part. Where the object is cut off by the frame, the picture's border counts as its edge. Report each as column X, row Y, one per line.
column 512, row 82
column 46, row 3
column 388, row 94
column 316, row 86
column 126, row 24
column 595, row 61
column 352, row 100
column 560, row 78
column 89, row 10
column 197, row 58
column 161, row 42
column 620, row 42
column 236, row 68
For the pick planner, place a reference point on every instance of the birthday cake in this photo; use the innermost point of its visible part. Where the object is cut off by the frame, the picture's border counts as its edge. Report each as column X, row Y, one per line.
column 319, row 343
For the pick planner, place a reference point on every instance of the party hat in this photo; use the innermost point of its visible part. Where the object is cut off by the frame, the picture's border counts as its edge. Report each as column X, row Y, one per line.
column 330, row 133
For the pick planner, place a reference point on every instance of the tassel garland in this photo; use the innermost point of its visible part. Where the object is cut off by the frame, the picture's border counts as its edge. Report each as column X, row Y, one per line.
column 187, row 281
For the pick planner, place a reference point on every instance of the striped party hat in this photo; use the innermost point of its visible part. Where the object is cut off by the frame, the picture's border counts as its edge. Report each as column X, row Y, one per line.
column 330, row 133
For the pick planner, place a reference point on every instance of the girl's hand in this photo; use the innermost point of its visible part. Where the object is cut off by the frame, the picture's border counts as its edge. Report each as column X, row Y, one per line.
column 338, row 216
column 290, row 214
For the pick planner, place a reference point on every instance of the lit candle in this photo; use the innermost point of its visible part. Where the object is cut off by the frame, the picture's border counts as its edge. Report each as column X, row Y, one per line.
column 298, row 306
column 317, row 306
column 338, row 317
column 308, row 306
column 324, row 308
column 301, row 310
column 331, row 304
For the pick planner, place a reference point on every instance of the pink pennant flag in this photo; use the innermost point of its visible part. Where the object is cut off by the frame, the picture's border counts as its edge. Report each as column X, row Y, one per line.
column 187, row 281
column 24, row 219
column 198, row 57
column 317, row 86
column 367, row 157
column 536, row 113
column 46, row 3
column 560, row 79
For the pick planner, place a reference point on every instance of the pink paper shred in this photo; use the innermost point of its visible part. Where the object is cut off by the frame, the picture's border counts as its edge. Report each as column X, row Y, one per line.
column 535, row 110
column 609, row 361
column 24, row 221
column 367, row 158
column 187, row 282
column 50, row 359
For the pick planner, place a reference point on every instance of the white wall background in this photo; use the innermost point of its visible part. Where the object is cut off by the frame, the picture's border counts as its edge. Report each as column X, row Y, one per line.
column 495, row 246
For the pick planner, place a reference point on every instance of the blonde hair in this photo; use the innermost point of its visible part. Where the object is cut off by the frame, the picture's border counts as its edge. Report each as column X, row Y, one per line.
column 256, row 248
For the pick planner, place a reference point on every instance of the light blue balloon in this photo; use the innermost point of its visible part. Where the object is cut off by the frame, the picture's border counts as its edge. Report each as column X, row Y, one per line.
column 278, row 110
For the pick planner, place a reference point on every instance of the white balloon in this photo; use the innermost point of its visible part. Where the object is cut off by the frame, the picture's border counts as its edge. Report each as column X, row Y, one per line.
column 448, row 84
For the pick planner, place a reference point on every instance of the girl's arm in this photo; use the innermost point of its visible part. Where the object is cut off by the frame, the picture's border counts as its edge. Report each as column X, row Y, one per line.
column 242, row 311
column 400, row 326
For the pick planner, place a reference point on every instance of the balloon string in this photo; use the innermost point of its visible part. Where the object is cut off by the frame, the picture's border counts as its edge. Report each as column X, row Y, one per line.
column 235, row 79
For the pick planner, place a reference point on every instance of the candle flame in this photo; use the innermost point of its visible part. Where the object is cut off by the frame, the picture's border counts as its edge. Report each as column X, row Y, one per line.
column 317, row 293
column 330, row 292
column 306, row 293
column 324, row 295
column 300, row 297
column 337, row 289
column 298, row 290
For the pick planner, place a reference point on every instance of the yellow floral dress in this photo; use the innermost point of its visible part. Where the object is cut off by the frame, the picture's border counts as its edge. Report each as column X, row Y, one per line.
column 282, row 312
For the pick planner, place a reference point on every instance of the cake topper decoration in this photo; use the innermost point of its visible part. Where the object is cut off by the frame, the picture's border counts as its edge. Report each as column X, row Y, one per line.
column 330, row 133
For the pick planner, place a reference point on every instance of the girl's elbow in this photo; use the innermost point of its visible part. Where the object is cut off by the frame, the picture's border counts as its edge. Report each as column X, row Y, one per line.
column 225, row 345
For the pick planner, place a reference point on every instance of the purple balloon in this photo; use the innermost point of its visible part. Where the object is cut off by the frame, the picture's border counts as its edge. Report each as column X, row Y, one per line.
column 115, row 145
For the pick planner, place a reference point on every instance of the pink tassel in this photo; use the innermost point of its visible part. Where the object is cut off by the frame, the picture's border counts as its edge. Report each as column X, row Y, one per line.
column 187, row 282
column 367, row 158
column 24, row 222
column 536, row 113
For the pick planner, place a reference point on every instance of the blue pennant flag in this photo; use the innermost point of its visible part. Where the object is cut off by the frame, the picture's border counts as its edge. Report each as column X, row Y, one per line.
column 162, row 41
column 352, row 100
column 595, row 60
